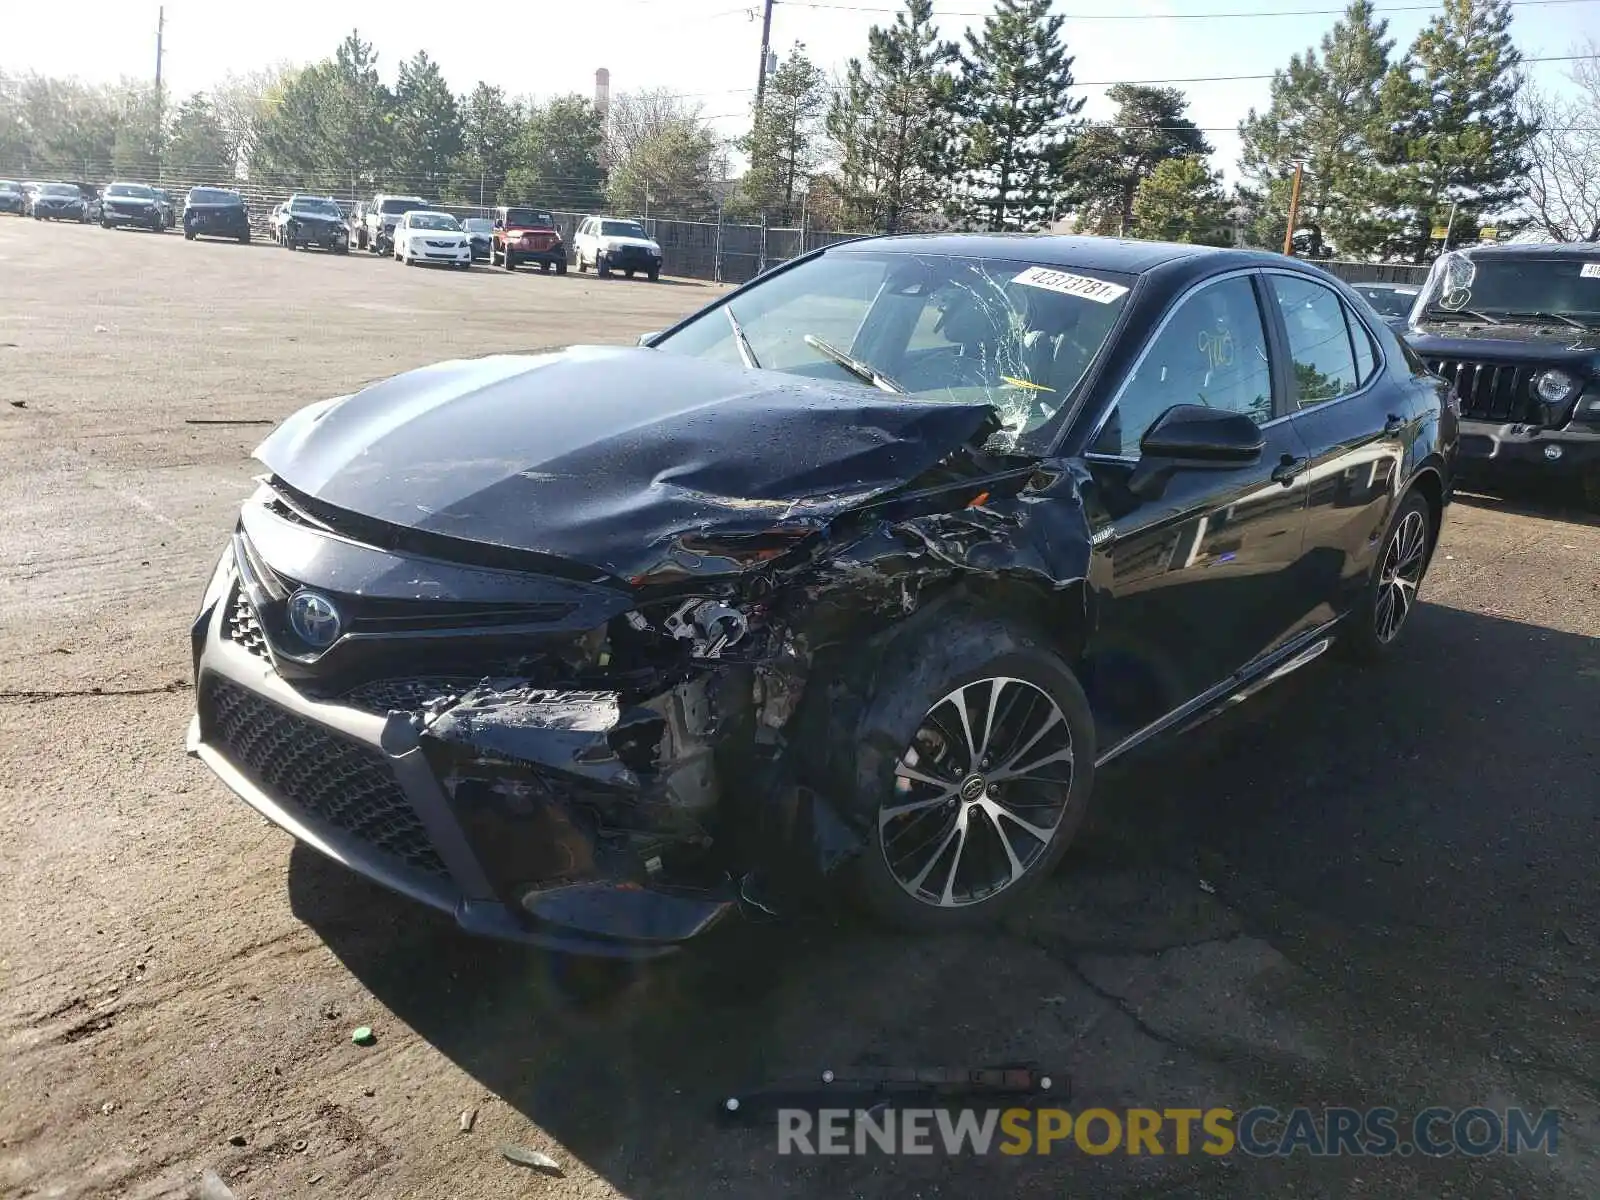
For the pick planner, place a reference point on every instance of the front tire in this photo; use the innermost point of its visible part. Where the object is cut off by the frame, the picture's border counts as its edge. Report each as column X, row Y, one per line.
column 1379, row 619
column 972, row 762
column 509, row 261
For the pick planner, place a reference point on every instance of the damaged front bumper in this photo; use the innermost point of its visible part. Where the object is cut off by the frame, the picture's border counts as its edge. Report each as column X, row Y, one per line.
column 422, row 803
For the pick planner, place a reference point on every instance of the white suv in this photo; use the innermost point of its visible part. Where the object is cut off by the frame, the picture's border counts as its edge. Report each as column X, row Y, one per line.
column 616, row 244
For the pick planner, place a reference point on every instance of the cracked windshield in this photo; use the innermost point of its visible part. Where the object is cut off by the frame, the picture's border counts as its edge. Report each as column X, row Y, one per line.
column 1562, row 291
column 1005, row 331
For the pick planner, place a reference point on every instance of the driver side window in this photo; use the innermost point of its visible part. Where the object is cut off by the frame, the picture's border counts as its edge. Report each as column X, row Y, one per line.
column 1212, row 351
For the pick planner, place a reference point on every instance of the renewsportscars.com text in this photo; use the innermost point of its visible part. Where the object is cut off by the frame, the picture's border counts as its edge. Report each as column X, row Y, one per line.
column 1257, row 1132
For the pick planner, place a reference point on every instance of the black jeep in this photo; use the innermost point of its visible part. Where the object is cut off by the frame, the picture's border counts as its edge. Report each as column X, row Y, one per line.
column 1516, row 329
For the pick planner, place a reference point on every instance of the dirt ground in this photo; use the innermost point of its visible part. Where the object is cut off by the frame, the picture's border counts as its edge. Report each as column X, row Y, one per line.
column 1361, row 888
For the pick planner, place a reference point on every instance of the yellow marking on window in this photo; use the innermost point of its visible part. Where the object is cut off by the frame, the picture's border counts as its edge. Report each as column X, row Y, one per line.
column 1024, row 383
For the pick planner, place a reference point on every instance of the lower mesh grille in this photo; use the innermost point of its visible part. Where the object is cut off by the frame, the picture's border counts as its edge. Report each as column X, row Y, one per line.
column 384, row 696
column 330, row 777
column 240, row 625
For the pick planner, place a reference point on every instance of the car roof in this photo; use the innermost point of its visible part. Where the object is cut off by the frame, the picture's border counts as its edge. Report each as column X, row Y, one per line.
column 1061, row 250
column 1532, row 250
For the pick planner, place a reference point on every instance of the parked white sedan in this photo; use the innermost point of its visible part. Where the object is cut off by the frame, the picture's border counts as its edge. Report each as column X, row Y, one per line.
column 423, row 235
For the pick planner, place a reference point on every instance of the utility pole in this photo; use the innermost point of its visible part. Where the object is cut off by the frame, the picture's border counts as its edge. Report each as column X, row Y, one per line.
column 161, row 26
column 1294, row 209
column 766, row 36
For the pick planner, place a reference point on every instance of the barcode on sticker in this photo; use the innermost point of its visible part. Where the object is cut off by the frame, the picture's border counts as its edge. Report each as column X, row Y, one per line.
column 1069, row 284
column 1590, row 271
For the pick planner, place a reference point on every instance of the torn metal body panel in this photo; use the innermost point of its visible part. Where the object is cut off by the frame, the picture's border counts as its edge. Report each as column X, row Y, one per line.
column 592, row 648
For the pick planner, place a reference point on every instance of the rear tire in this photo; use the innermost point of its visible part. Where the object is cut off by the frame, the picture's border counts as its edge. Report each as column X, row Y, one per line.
column 654, row 275
column 561, row 267
column 188, row 235
column 948, row 812
column 1378, row 621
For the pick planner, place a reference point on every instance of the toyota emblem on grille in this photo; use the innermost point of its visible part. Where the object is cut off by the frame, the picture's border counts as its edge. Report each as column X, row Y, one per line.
column 314, row 619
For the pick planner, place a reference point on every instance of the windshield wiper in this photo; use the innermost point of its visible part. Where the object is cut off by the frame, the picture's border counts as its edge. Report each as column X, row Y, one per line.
column 1540, row 315
column 739, row 339
column 863, row 371
column 1443, row 314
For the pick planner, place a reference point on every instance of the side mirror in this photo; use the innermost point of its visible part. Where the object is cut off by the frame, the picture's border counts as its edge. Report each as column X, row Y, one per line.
column 1193, row 436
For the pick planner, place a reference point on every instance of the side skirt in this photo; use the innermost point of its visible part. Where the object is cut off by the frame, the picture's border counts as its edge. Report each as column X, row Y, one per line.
column 1234, row 690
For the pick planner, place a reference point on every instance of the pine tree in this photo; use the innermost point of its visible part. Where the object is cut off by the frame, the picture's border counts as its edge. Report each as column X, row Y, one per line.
column 489, row 130
column 887, row 127
column 1112, row 158
column 1457, row 136
column 1014, row 119
column 1181, row 200
column 1326, row 112
column 784, row 141
column 426, row 127
column 353, row 118
column 198, row 148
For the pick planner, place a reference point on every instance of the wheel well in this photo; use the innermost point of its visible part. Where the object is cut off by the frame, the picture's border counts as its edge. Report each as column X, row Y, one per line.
column 1431, row 488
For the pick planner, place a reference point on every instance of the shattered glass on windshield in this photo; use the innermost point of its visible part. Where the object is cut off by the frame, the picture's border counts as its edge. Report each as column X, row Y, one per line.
column 1011, row 334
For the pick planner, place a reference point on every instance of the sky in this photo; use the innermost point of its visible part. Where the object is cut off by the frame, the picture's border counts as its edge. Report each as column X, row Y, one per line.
column 709, row 50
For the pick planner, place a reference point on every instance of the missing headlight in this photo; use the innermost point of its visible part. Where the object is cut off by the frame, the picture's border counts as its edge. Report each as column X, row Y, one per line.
column 709, row 626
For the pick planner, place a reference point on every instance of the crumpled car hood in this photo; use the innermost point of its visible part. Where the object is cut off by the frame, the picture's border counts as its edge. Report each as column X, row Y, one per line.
column 605, row 456
column 1507, row 339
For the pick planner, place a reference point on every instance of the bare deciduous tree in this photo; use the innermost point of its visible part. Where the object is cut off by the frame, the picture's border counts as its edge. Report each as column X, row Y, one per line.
column 1563, row 183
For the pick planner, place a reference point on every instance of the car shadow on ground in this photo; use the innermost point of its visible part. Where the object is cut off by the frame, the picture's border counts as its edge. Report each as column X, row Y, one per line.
column 1365, row 822
column 1549, row 501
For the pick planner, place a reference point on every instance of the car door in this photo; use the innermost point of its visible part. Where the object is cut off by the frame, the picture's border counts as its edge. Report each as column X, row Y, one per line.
column 1197, row 576
column 1355, row 422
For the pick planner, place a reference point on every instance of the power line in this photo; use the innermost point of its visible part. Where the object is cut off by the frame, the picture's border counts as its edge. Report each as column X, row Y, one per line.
column 1532, row 58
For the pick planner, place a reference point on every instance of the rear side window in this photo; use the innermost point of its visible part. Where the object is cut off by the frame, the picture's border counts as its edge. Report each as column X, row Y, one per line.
column 1321, row 351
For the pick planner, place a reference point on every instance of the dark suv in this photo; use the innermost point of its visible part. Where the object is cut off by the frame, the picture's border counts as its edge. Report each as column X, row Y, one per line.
column 1516, row 329
column 216, row 212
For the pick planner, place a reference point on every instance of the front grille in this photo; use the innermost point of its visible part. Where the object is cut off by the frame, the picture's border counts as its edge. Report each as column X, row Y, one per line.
column 384, row 696
column 1488, row 391
column 330, row 777
column 241, row 627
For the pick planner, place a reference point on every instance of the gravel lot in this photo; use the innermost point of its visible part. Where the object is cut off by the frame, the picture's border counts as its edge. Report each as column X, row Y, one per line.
column 1361, row 888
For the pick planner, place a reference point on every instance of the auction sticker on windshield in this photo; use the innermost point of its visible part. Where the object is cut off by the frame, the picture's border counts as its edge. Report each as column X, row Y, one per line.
column 1590, row 271
column 1068, row 284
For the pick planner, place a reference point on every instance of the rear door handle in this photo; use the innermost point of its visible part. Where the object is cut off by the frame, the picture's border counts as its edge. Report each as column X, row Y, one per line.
column 1288, row 469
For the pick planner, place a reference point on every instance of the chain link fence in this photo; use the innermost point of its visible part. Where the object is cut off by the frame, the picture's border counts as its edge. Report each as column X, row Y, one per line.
column 716, row 250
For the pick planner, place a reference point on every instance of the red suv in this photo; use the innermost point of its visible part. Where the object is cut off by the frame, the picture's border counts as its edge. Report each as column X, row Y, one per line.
column 527, row 235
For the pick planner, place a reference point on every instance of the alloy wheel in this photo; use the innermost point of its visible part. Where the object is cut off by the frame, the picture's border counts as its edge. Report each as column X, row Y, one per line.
column 1400, row 576
column 979, row 794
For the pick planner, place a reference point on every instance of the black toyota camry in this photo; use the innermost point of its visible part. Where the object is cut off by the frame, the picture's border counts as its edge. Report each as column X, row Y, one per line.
column 850, row 580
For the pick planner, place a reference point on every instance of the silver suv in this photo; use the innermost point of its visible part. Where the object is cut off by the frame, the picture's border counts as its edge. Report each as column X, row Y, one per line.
column 375, row 231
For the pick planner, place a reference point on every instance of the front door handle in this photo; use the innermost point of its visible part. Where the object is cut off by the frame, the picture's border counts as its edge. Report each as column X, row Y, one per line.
column 1288, row 468
column 1393, row 425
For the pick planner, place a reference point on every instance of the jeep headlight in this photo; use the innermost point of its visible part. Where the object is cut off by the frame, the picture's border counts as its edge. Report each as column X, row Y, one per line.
column 1554, row 387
